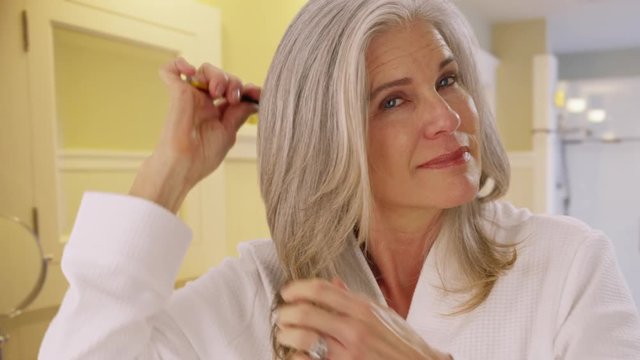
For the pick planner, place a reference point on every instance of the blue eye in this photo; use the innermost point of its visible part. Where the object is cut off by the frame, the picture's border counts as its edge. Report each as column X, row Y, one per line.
column 392, row 103
column 447, row 81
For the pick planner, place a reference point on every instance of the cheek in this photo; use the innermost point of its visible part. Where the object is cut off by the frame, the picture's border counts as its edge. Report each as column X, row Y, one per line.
column 466, row 108
column 389, row 153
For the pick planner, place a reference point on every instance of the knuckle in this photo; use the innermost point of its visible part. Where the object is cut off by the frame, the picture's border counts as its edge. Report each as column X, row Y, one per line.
column 318, row 287
column 207, row 67
column 234, row 79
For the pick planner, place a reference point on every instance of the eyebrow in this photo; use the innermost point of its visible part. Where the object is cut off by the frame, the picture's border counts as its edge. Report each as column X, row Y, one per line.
column 406, row 81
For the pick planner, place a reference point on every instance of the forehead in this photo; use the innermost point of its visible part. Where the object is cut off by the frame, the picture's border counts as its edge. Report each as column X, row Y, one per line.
column 417, row 43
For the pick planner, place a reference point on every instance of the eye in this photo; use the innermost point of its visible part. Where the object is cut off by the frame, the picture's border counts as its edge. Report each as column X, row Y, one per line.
column 447, row 81
column 392, row 103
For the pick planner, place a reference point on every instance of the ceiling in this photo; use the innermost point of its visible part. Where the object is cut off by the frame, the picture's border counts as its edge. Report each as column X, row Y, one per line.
column 573, row 25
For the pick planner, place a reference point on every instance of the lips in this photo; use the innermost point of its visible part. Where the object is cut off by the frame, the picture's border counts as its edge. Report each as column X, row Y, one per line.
column 458, row 157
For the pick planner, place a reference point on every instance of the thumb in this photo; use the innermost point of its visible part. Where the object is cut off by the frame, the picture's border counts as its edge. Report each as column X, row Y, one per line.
column 236, row 115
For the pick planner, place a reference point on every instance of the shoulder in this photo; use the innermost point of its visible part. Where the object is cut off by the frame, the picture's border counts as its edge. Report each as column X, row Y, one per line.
column 509, row 224
column 544, row 241
column 552, row 250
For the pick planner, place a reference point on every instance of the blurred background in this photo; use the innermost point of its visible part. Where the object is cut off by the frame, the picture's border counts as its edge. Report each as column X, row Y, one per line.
column 81, row 106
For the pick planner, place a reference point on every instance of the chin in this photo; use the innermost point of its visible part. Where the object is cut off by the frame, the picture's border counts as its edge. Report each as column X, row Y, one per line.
column 456, row 195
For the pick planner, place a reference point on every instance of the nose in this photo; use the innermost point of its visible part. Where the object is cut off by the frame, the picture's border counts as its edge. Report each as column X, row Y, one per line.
column 439, row 118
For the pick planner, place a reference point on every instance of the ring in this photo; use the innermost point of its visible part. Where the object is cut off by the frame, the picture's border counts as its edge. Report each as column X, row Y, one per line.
column 319, row 349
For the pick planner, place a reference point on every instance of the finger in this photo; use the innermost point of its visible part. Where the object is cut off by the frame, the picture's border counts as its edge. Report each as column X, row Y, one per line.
column 303, row 340
column 350, row 335
column 339, row 283
column 170, row 72
column 214, row 78
column 308, row 316
column 184, row 67
column 300, row 356
column 252, row 91
column 234, row 90
column 328, row 295
column 297, row 338
column 236, row 115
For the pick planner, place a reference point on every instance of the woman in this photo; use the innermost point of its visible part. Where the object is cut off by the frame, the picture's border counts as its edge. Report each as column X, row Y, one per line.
column 374, row 140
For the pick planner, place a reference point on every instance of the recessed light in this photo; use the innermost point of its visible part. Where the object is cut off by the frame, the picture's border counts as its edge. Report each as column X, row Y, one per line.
column 596, row 115
column 576, row 105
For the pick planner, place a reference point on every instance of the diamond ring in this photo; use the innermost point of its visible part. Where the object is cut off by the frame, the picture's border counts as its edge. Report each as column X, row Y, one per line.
column 319, row 349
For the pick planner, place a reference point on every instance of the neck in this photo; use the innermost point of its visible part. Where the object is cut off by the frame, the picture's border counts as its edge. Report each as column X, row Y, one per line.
column 399, row 241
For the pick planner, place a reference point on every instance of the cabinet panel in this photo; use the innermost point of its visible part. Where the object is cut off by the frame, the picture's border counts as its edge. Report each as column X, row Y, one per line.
column 108, row 93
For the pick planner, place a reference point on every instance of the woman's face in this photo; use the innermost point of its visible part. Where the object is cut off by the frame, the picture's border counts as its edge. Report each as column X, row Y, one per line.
column 423, row 150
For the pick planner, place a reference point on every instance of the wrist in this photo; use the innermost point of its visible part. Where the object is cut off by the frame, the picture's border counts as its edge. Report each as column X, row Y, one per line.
column 162, row 180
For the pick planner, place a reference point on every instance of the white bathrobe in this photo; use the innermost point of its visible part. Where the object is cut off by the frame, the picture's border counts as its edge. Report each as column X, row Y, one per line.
column 565, row 297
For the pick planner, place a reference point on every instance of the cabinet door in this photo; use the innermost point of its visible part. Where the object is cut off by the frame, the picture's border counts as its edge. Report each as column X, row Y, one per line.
column 97, row 107
column 16, row 188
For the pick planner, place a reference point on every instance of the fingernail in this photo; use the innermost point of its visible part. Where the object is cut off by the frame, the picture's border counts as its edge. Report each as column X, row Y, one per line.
column 238, row 94
column 219, row 91
column 283, row 292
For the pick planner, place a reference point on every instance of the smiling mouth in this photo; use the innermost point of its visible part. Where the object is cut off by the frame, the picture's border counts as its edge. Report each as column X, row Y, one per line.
column 455, row 158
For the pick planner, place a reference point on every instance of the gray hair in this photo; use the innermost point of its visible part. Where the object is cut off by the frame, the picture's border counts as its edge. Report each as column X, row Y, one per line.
column 312, row 143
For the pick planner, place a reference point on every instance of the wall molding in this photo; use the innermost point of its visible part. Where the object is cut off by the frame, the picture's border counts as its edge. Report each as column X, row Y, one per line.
column 112, row 160
column 100, row 160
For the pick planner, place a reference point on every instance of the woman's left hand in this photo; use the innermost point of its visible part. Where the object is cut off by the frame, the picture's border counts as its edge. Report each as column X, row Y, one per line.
column 346, row 321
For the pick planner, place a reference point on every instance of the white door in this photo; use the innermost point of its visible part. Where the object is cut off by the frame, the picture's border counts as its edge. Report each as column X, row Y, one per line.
column 91, row 68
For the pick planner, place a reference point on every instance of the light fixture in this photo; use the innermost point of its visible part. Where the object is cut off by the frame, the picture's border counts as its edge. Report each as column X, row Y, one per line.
column 576, row 105
column 596, row 115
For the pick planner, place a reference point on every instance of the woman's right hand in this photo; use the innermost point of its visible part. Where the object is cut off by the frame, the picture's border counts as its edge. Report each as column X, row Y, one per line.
column 197, row 134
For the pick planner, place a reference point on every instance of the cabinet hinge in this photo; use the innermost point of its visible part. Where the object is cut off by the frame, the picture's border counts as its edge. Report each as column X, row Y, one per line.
column 25, row 31
column 36, row 221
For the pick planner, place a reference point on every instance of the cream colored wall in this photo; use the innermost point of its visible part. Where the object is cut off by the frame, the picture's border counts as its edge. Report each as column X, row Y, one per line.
column 244, row 208
column 521, row 188
column 251, row 32
column 515, row 44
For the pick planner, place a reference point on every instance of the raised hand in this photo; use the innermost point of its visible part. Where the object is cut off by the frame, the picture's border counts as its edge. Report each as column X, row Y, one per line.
column 198, row 132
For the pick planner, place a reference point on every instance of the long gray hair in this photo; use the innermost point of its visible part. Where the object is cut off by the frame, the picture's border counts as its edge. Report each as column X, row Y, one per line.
column 312, row 143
